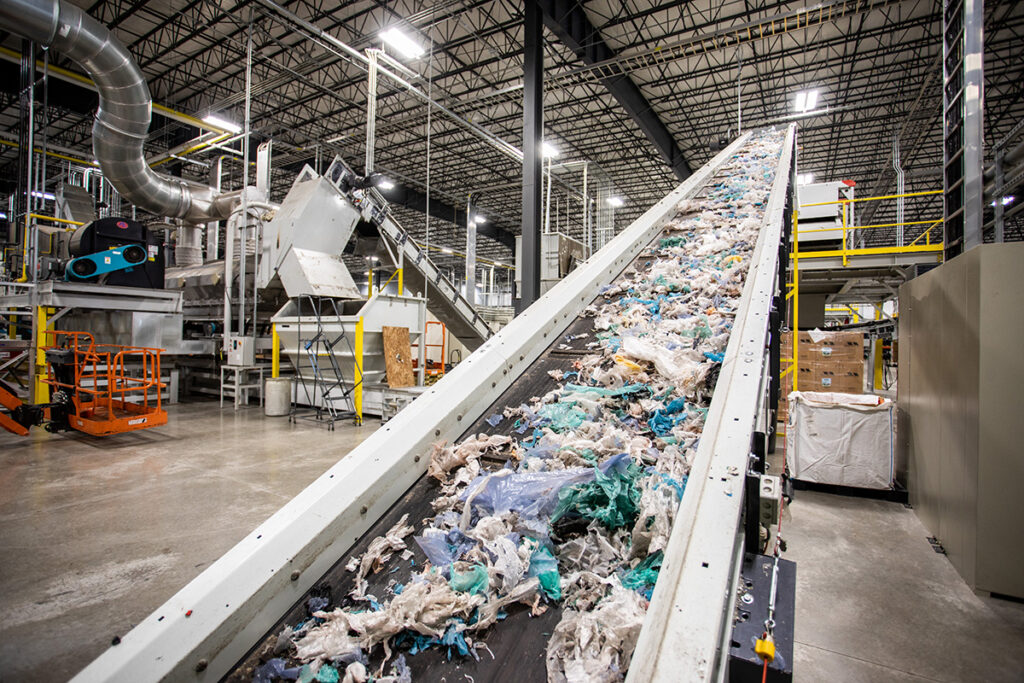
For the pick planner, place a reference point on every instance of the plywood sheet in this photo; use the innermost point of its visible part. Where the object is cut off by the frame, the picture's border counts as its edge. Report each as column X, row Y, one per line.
column 398, row 357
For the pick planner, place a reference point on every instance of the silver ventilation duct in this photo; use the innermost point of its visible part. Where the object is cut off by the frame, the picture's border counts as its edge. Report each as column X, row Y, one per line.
column 122, row 120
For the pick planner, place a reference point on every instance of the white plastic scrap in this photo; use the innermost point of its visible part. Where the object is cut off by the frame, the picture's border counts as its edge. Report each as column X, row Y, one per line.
column 595, row 646
column 379, row 552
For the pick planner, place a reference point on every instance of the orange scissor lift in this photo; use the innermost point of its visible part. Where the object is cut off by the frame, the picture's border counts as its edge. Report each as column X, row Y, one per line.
column 93, row 389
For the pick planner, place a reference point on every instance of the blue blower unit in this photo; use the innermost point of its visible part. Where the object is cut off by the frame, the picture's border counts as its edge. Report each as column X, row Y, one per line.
column 101, row 263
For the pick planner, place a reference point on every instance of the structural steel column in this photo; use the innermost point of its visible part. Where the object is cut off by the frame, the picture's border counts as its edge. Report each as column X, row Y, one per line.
column 963, row 100
column 533, row 131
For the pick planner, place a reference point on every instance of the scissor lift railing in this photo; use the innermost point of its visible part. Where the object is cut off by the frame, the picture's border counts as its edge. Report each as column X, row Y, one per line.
column 101, row 384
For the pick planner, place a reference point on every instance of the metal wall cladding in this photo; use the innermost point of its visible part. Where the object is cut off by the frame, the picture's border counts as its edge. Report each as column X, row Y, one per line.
column 961, row 396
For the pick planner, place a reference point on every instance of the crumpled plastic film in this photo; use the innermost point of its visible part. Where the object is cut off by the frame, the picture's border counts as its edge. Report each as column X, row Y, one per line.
column 612, row 498
column 544, row 566
column 595, row 646
column 380, row 550
column 466, row 578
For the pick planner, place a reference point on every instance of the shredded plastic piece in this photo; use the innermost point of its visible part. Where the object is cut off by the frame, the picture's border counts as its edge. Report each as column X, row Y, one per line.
column 473, row 579
column 612, row 498
column 380, row 550
column 596, row 645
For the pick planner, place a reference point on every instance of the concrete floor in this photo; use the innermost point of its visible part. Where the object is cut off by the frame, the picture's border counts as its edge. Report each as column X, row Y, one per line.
column 875, row 603
column 97, row 533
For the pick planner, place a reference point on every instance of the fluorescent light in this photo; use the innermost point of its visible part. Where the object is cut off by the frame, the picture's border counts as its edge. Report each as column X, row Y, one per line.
column 616, row 201
column 222, row 123
column 804, row 178
column 447, row 250
column 401, row 42
column 386, row 184
column 3, row 216
column 42, row 195
column 805, row 100
column 548, row 150
column 479, row 219
column 1006, row 200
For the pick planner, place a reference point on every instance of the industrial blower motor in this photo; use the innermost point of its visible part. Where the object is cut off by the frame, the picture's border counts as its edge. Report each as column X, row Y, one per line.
column 116, row 251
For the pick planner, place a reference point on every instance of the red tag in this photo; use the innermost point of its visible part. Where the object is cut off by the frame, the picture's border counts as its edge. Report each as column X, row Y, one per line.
column 122, row 225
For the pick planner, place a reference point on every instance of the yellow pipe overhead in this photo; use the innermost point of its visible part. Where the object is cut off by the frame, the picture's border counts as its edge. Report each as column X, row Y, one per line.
column 68, row 75
column 55, row 155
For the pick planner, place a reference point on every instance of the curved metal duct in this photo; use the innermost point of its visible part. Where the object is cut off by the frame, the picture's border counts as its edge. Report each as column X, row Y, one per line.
column 122, row 120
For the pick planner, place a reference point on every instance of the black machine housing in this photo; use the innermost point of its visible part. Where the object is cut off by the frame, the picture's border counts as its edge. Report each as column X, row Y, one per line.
column 111, row 233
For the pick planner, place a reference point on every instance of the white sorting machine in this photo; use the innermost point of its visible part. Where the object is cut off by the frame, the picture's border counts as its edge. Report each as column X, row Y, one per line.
column 205, row 630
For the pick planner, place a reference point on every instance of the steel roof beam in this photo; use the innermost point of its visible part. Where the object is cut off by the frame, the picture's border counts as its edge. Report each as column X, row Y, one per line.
column 567, row 20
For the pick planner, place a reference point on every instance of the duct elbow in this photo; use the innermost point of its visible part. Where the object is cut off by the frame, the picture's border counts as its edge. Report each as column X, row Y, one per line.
column 122, row 120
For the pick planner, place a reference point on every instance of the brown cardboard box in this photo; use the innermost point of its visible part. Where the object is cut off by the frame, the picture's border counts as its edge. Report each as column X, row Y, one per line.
column 835, row 363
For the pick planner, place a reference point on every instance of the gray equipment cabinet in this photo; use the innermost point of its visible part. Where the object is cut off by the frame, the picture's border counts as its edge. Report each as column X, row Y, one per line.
column 961, row 405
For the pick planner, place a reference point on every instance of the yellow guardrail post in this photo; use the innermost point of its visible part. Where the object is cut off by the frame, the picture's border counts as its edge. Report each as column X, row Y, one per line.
column 275, row 353
column 843, row 211
column 357, row 391
column 400, row 282
column 878, row 371
column 41, row 390
column 369, row 285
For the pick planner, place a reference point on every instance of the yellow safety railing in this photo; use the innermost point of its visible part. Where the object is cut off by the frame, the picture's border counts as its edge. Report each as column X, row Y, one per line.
column 846, row 252
column 398, row 274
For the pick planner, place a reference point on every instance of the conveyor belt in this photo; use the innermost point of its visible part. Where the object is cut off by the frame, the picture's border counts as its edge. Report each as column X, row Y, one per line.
column 226, row 621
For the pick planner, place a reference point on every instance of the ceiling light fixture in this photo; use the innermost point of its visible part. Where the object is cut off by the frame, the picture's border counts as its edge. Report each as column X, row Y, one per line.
column 223, row 124
column 386, row 184
column 401, row 42
column 804, row 178
column 805, row 100
column 616, row 201
column 548, row 150
column 446, row 250
column 479, row 219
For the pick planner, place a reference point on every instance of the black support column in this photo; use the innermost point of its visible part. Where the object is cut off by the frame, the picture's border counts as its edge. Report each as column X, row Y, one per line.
column 533, row 131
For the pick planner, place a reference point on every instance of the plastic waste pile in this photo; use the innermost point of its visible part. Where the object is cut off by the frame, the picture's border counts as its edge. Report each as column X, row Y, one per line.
column 580, row 515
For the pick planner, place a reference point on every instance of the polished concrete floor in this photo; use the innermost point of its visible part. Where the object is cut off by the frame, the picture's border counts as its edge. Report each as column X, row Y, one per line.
column 875, row 603
column 97, row 533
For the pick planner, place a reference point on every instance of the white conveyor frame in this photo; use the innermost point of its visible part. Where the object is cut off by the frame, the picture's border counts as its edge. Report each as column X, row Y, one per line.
column 210, row 624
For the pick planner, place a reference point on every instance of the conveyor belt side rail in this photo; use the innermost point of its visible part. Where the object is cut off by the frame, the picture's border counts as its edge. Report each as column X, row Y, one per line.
column 691, row 606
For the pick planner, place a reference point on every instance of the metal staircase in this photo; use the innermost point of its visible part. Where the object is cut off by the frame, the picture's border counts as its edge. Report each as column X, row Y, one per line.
column 330, row 385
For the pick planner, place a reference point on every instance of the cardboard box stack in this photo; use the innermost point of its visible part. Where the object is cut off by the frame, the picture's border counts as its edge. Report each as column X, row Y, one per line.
column 834, row 363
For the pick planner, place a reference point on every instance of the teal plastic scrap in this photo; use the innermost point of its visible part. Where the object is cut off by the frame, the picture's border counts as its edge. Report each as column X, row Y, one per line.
column 643, row 577
column 544, row 566
column 563, row 415
column 327, row 674
column 613, row 498
column 472, row 580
